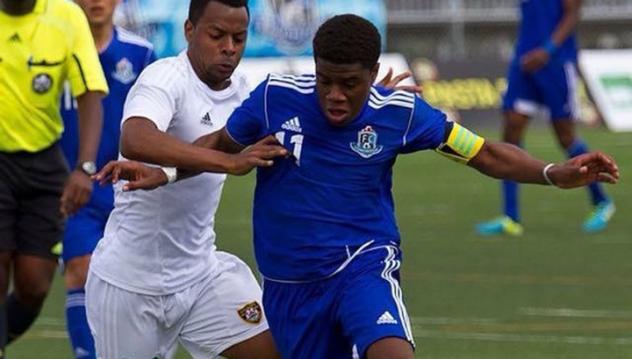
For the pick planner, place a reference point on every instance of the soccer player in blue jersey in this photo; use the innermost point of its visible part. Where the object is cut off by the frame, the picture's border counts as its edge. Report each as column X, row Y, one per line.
column 325, row 234
column 542, row 74
column 123, row 56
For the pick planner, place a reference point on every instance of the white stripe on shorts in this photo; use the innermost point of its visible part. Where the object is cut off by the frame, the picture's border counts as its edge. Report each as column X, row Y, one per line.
column 390, row 266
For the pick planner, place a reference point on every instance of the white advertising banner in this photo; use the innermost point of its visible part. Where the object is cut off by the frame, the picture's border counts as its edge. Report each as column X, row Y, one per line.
column 256, row 69
column 608, row 75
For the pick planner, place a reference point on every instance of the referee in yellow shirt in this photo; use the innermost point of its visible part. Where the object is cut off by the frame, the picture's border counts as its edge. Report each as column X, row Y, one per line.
column 42, row 44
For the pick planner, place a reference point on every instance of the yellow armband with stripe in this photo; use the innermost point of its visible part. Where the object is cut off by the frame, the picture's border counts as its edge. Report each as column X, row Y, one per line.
column 461, row 144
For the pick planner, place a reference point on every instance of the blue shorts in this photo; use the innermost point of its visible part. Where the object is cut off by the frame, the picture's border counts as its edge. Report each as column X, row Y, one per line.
column 342, row 316
column 553, row 87
column 83, row 231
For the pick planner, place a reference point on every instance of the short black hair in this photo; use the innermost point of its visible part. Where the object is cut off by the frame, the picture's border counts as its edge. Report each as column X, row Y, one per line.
column 197, row 7
column 348, row 39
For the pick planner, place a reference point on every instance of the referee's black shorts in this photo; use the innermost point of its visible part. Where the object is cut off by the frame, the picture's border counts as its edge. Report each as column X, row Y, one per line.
column 31, row 185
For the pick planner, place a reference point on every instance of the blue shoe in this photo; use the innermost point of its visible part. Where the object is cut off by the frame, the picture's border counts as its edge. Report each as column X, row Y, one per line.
column 599, row 217
column 500, row 225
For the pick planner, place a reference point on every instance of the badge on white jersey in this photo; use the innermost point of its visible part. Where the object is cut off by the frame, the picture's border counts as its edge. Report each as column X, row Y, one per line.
column 251, row 313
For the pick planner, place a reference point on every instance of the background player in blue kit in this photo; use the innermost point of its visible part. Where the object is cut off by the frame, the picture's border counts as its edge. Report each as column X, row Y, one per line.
column 325, row 233
column 543, row 73
column 123, row 56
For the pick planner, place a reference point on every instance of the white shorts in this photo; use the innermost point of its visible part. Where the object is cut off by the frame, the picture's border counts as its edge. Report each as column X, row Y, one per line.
column 206, row 319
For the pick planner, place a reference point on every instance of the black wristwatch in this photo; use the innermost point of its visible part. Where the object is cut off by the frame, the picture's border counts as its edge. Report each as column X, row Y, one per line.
column 88, row 167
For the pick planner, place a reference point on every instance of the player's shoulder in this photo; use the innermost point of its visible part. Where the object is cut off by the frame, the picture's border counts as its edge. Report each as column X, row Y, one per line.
column 292, row 84
column 169, row 73
column 132, row 41
column 384, row 98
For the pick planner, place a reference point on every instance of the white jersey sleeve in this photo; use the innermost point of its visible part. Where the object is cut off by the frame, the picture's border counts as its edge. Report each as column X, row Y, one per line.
column 155, row 94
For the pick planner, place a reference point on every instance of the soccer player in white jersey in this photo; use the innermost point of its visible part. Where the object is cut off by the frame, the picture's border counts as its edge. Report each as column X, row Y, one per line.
column 156, row 278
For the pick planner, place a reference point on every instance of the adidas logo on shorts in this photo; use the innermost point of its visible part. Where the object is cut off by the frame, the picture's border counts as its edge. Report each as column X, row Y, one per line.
column 386, row 318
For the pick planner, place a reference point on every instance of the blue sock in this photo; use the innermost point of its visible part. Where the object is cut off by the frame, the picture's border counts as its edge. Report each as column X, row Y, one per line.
column 597, row 194
column 510, row 200
column 77, row 323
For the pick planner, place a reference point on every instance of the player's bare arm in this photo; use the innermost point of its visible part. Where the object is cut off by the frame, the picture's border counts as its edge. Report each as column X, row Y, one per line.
column 79, row 187
column 506, row 161
column 142, row 141
column 537, row 58
column 243, row 160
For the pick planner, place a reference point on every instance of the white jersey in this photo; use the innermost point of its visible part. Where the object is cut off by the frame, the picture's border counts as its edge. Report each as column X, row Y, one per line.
column 162, row 241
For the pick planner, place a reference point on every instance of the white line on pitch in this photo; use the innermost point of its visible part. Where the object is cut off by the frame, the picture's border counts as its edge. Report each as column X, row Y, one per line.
column 495, row 337
column 575, row 313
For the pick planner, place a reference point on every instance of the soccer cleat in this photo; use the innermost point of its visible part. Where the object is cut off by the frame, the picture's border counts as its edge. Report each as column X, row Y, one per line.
column 598, row 219
column 500, row 225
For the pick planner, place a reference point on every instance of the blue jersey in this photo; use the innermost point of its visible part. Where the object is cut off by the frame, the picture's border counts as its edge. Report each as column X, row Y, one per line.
column 540, row 18
column 313, row 210
column 122, row 61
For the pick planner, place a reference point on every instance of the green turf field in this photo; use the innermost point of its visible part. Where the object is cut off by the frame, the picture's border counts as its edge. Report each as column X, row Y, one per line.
column 554, row 293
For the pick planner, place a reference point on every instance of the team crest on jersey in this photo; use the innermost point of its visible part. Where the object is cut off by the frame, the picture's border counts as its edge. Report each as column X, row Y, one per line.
column 124, row 71
column 251, row 313
column 366, row 146
column 42, row 83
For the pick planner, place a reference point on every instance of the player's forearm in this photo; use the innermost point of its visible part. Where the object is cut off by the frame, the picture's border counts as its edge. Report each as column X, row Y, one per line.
column 142, row 141
column 220, row 141
column 506, row 161
column 90, row 125
column 568, row 23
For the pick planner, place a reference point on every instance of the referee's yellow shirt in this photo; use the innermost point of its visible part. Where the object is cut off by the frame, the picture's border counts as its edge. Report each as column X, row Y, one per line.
column 38, row 51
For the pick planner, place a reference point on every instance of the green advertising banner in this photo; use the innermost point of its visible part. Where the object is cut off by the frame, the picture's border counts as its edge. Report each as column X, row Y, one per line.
column 608, row 75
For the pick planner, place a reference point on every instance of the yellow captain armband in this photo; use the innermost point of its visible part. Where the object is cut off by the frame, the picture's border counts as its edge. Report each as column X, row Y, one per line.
column 461, row 144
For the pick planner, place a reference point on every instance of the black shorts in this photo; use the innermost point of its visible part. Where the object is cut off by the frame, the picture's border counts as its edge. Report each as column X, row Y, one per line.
column 31, row 185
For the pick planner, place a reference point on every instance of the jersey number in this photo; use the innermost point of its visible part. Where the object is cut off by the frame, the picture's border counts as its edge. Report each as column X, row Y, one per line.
column 296, row 140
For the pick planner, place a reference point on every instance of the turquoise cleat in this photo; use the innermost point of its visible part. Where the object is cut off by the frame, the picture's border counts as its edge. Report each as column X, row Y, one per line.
column 599, row 217
column 500, row 225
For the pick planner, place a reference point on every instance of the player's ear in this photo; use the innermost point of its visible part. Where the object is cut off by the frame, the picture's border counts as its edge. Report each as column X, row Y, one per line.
column 188, row 30
column 374, row 70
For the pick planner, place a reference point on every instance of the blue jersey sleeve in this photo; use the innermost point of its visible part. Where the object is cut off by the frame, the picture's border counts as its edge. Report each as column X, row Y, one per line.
column 426, row 128
column 248, row 123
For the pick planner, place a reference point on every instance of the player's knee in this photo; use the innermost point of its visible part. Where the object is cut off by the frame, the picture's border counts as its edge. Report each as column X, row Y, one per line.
column 390, row 348
column 34, row 296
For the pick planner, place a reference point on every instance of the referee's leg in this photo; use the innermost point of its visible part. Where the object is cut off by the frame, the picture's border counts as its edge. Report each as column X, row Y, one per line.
column 8, row 213
column 38, row 231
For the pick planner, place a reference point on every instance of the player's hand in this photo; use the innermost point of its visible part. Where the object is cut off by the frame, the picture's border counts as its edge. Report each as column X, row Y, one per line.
column 585, row 169
column 534, row 60
column 76, row 193
column 392, row 82
column 261, row 154
column 138, row 175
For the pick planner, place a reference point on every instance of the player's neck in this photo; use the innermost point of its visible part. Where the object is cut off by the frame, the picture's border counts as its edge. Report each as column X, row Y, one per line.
column 17, row 8
column 102, row 35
